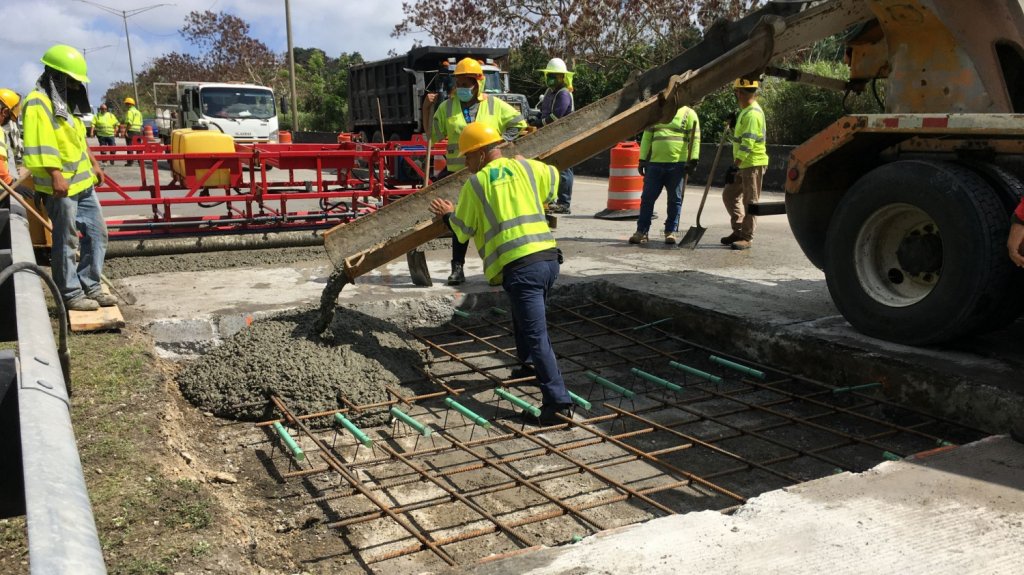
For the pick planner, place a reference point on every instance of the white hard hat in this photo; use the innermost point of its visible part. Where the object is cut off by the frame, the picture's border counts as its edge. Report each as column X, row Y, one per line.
column 556, row 66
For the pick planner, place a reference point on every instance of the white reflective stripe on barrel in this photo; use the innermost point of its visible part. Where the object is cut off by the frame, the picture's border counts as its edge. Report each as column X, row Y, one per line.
column 622, row 172
column 624, row 195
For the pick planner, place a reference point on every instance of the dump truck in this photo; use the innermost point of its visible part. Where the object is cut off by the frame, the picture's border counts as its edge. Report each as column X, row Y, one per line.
column 906, row 211
column 388, row 94
column 247, row 112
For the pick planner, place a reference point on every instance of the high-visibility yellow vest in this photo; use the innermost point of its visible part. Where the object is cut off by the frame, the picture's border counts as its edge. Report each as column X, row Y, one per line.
column 450, row 119
column 105, row 124
column 748, row 141
column 52, row 142
column 670, row 142
column 502, row 208
column 133, row 119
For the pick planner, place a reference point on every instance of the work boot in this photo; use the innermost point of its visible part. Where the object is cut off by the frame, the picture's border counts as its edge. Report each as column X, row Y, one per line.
column 741, row 245
column 638, row 238
column 457, row 276
column 523, row 371
column 671, row 238
column 548, row 415
column 730, row 239
column 81, row 303
column 559, row 209
column 104, row 299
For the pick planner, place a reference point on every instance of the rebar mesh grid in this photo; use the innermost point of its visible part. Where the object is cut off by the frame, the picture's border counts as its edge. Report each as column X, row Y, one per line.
column 662, row 426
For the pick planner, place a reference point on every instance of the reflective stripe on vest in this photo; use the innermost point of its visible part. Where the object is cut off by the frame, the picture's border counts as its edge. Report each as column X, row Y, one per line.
column 52, row 142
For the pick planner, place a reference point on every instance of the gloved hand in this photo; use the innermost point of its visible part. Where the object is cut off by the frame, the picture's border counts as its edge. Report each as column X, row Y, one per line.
column 643, row 166
column 691, row 167
column 730, row 174
column 732, row 120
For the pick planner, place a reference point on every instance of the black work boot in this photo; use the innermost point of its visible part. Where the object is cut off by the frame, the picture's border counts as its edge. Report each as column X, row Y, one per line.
column 523, row 371
column 457, row 276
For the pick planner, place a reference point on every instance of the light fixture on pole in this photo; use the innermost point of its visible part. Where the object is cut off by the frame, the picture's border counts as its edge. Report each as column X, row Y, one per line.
column 125, row 15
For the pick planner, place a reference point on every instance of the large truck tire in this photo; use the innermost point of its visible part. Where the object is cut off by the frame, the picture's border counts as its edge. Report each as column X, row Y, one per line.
column 809, row 214
column 915, row 252
column 1011, row 190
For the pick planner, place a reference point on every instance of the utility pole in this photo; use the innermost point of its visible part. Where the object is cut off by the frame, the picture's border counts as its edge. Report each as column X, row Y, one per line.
column 125, row 15
column 291, row 66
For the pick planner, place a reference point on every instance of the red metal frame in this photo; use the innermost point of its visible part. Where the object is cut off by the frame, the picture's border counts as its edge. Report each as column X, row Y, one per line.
column 253, row 200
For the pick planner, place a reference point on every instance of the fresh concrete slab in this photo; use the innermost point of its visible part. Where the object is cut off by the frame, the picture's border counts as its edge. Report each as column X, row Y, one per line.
column 955, row 512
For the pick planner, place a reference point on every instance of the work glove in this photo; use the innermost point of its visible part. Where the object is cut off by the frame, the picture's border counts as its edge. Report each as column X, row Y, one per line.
column 730, row 174
column 732, row 120
column 643, row 166
column 691, row 167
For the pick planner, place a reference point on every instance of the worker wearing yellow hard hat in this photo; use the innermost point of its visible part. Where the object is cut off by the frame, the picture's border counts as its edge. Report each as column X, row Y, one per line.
column 750, row 158
column 500, row 208
column 104, row 126
column 9, row 109
column 131, row 123
column 64, row 172
column 467, row 102
column 557, row 102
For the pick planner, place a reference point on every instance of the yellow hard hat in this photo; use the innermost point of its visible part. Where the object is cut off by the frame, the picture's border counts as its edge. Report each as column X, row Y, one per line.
column 11, row 101
column 745, row 84
column 469, row 67
column 476, row 136
column 129, row 101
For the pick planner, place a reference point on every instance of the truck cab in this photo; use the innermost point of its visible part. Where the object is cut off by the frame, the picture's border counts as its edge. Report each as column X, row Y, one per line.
column 247, row 112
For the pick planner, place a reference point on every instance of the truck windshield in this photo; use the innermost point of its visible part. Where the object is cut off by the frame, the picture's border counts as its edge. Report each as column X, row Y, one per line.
column 238, row 103
column 493, row 83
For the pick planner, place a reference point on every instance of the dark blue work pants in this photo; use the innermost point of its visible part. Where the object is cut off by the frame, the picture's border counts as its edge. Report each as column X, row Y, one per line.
column 527, row 288
column 658, row 176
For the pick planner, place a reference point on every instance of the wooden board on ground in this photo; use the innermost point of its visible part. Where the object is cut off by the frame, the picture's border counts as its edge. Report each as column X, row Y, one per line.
column 102, row 319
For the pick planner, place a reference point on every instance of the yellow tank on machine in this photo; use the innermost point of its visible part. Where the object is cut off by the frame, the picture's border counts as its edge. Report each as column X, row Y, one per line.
column 201, row 143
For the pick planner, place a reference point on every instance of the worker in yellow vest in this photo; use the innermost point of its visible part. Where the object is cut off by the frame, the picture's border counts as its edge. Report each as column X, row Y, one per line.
column 9, row 109
column 750, row 155
column 64, row 171
column 467, row 103
column 132, row 123
column 667, row 158
column 104, row 126
column 502, row 208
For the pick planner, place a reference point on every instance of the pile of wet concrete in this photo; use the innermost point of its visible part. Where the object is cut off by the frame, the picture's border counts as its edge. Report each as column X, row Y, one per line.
column 357, row 357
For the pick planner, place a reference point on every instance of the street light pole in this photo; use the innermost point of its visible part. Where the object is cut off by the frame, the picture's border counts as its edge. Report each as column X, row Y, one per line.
column 125, row 15
column 291, row 65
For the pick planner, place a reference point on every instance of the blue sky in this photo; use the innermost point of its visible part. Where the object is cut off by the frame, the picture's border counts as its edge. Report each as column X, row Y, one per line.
column 31, row 26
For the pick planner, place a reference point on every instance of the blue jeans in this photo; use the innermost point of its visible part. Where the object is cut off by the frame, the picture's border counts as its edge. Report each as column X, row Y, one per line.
column 565, row 187
column 80, row 212
column 660, row 175
column 527, row 288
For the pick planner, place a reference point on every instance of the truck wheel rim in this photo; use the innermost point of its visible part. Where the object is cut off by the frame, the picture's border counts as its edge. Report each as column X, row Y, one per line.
column 898, row 255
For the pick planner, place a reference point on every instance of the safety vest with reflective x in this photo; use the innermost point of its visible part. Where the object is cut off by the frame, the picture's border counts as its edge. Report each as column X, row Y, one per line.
column 502, row 208
column 53, row 142
column 748, row 139
column 451, row 118
column 670, row 143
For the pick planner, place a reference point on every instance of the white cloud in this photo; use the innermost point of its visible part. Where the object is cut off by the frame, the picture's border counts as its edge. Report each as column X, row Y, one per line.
column 335, row 26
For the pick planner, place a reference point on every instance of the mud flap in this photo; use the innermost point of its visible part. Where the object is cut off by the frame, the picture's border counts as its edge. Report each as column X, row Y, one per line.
column 417, row 261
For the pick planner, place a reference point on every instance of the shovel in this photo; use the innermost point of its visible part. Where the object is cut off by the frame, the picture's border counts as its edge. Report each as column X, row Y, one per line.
column 416, row 259
column 695, row 233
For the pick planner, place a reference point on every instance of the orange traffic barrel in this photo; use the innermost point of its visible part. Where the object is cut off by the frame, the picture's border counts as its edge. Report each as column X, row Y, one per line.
column 344, row 137
column 625, row 184
column 284, row 137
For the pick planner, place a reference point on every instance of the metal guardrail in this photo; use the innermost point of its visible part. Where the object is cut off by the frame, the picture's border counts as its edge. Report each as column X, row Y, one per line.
column 62, row 535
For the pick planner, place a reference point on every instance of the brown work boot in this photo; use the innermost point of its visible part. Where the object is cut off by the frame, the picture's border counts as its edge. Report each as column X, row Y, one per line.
column 81, row 303
column 741, row 245
column 638, row 238
column 730, row 239
column 671, row 238
column 104, row 299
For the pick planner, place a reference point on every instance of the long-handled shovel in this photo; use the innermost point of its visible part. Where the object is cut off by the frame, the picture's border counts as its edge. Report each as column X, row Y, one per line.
column 695, row 233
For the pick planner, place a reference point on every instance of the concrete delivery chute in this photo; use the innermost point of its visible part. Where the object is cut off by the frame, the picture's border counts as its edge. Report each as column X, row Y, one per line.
column 877, row 201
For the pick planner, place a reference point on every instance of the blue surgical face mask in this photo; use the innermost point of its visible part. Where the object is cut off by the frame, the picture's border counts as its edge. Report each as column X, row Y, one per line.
column 464, row 94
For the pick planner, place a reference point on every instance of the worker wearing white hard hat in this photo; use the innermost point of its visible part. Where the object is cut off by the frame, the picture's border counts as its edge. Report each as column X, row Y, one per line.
column 557, row 102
